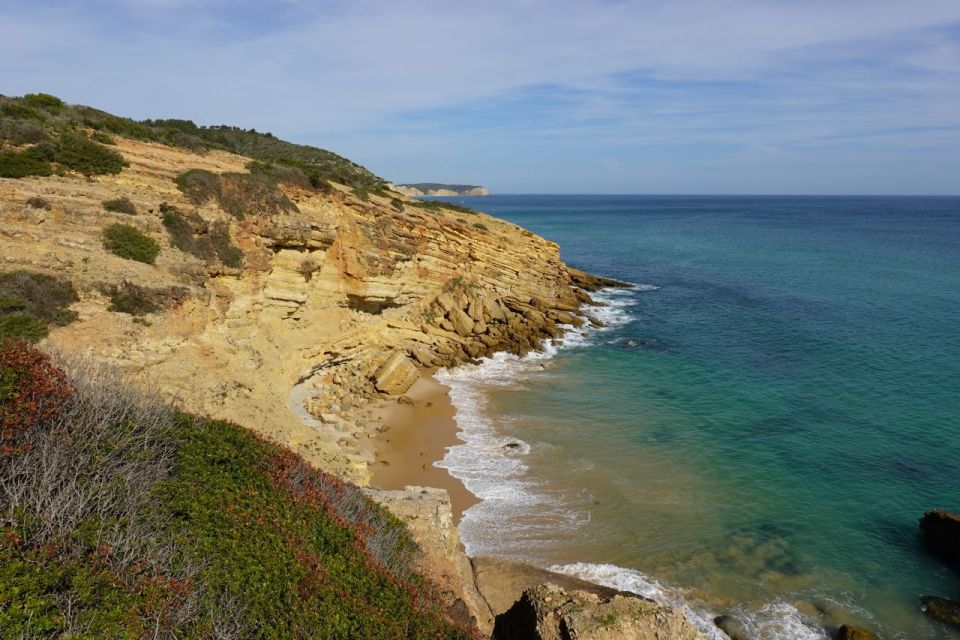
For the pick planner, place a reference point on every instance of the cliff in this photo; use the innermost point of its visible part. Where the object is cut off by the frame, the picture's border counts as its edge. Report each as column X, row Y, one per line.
column 269, row 294
column 438, row 189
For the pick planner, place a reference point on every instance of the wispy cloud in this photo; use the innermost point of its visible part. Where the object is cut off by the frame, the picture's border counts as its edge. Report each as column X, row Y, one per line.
column 425, row 90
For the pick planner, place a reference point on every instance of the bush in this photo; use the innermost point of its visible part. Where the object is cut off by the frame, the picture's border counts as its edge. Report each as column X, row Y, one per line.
column 120, row 205
column 102, row 138
column 21, row 164
column 30, row 302
column 245, row 193
column 135, row 300
column 24, row 326
column 397, row 203
column 20, row 132
column 199, row 185
column 43, row 101
column 130, row 243
column 229, row 255
column 32, row 391
column 480, row 225
column 87, row 157
column 37, row 202
column 363, row 194
column 212, row 242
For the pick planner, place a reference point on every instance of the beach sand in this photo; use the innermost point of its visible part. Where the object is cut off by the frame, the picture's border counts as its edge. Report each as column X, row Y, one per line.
column 413, row 438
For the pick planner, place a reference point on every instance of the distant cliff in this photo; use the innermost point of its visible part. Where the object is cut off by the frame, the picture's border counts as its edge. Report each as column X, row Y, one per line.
column 437, row 189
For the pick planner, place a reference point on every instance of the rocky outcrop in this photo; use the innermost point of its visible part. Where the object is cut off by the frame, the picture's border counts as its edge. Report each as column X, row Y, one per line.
column 549, row 612
column 941, row 609
column 848, row 632
column 426, row 512
column 502, row 582
column 941, row 530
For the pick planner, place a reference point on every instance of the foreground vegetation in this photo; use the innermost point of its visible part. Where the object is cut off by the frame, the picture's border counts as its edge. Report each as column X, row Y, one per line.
column 121, row 518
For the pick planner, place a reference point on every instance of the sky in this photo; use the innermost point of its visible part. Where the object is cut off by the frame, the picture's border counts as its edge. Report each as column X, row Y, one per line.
column 535, row 96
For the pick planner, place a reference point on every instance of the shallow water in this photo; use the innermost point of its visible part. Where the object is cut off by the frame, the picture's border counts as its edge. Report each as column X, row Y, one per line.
column 757, row 432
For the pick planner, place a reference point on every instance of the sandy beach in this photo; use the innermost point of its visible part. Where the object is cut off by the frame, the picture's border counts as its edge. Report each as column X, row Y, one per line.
column 415, row 435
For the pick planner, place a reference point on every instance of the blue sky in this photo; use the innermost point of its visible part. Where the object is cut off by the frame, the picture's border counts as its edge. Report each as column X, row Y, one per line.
column 529, row 96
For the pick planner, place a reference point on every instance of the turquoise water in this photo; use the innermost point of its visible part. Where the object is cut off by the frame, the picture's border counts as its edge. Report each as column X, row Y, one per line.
column 759, row 433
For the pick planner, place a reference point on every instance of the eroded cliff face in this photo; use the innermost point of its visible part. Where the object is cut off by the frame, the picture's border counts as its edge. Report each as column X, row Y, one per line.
column 336, row 304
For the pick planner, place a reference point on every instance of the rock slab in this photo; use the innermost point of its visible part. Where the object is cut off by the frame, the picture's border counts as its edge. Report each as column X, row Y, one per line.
column 548, row 612
column 396, row 375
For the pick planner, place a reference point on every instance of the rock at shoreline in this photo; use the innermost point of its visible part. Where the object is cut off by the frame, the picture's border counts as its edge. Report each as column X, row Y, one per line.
column 849, row 632
column 732, row 627
column 941, row 609
column 396, row 375
column 941, row 530
column 548, row 612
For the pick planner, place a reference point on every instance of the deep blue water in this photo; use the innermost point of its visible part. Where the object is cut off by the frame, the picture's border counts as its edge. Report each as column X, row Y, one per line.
column 770, row 423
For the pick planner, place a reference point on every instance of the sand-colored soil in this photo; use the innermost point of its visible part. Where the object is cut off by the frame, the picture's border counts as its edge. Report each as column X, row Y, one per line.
column 415, row 436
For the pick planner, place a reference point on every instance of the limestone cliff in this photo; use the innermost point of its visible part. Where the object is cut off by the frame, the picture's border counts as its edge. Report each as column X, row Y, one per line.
column 438, row 189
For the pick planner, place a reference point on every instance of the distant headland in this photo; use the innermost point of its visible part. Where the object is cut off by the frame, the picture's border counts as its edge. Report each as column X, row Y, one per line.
column 438, row 189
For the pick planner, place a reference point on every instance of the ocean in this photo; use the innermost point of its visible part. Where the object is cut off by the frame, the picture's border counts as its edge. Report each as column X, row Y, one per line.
column 758, row 426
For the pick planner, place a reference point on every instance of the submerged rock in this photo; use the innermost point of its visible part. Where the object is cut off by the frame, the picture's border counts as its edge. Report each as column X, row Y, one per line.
column 941, row 530
column 548, row 612
column 849, row 632
column 941, row 609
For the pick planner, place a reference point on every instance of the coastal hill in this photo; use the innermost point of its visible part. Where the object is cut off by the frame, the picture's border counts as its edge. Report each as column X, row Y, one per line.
column 224, row 277
column 438, row 189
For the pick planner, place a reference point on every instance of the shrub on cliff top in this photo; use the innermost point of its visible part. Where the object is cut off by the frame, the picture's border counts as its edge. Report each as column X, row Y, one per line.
column 130, row 243
column 90, row 158
column 182, row 527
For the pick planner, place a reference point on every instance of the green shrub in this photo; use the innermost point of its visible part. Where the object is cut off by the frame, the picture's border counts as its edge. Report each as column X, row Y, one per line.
column 120, row 205
column 219, row 238
column 43, row 101
column 363, row 194
column 20, row 132
column 245, row 193
column 40, row 296
column 102, row 138
column 136, row 300
column 397, row 203
column 480, row 225
column 199, row 185
column 24, row 326
column 38, row 202
column 86, row 156
column 21, row 164
column 130, row 243
column 209, row 243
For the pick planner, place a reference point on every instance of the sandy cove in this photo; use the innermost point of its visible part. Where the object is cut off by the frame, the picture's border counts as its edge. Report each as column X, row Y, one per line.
column 415, row 434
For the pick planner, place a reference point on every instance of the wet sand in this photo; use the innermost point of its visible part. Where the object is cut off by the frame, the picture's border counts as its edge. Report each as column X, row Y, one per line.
column 414, row 437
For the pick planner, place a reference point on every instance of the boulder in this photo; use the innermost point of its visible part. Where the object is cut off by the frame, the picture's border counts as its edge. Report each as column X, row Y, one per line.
column 548, row 612
column 731, row 626
column 941, row 530
column 941, row 609
column 849, row 632
column 396, row 375
column 462, row 323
